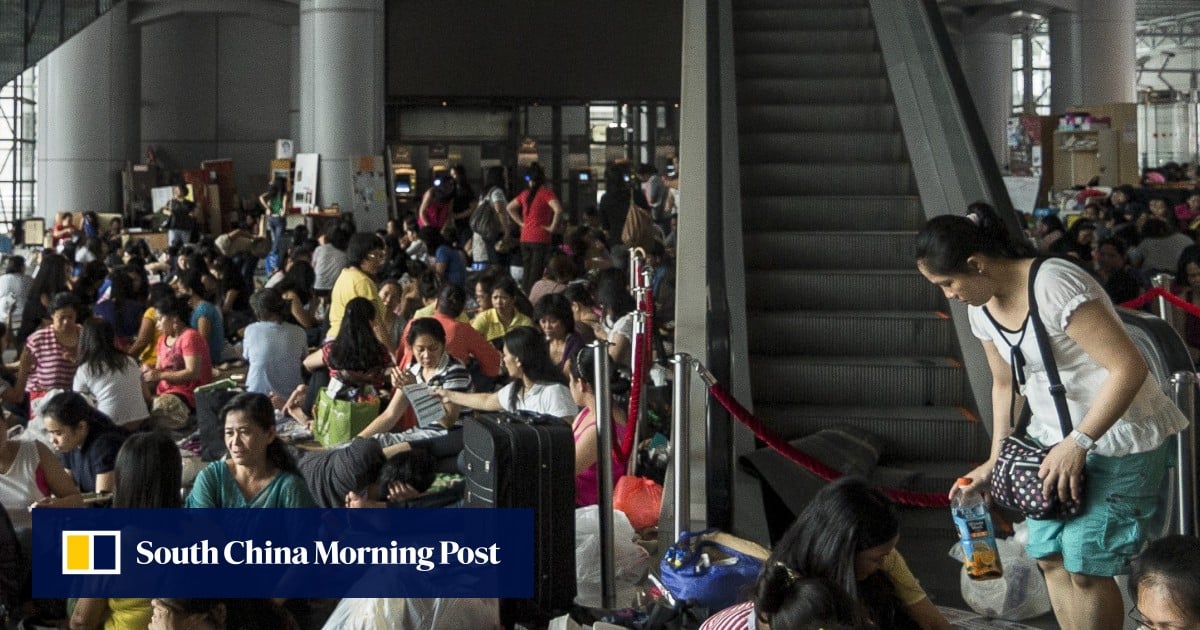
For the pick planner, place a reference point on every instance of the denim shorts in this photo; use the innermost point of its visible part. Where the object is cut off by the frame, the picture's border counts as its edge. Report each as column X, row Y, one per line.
column 1122, row 497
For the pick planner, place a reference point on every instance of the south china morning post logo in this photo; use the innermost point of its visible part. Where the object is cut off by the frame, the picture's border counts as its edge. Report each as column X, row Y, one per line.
column 91, row 552
column 283, row 553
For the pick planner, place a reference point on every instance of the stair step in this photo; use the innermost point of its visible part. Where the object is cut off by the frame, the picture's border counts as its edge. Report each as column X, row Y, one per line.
column 848, row 90
column 939, row 474
column 802, row 18
column 799, row 213
column 834, row 64
column 848, row 41
column 869, row 380
column 867, row 178
column 801, row 117
column 829, row 250
column 822, row 146
column 841, row 289
column 739, row 5
column 907, row 433
column 832, row 332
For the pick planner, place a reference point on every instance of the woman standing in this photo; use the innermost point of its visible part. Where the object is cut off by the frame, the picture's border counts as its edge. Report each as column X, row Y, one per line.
column 1122, row 419
column 537, row 385
column 538, row 212
column 503, row 316
column 587, row 472
column 259, row 472
column 111, row 377
column 274, row 203
column 87, row 441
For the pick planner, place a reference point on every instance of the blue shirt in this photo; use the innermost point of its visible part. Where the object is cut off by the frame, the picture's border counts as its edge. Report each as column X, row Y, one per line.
column 216, row 338
column 456, row 265
column 274, row 351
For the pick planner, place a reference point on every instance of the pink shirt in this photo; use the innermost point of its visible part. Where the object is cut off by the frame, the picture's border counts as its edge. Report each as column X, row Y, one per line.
column 52, row 369
column 170, row 359
column 587, row 483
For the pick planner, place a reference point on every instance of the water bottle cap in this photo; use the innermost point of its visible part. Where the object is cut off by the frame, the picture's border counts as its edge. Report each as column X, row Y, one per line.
column 963, row 481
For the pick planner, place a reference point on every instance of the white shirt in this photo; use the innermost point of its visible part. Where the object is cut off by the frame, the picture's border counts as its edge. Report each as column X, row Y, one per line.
column 553, row 399
column 14, row 289
column 118, row 395
column 1060, row 288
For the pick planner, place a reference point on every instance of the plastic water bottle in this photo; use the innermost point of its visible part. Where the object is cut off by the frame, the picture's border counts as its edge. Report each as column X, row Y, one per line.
column 975, row 532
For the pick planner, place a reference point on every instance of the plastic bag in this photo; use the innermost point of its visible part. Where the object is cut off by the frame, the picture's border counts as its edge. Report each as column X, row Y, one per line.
column 1020, row 594
column 640, row 499
column 630, row 559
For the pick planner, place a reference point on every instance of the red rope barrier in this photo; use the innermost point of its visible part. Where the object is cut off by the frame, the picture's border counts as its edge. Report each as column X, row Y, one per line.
column 1157, row 292
column 812, row 464
column 641, row 367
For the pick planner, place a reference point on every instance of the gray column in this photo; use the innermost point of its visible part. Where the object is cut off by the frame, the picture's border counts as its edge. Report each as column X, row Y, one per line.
column 341, row 92
column 986, row 58
column 88, row 116
column 1107, row 39
column 1066, row 76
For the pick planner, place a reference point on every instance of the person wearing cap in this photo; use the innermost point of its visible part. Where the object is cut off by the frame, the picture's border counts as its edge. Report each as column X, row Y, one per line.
column 272, row 347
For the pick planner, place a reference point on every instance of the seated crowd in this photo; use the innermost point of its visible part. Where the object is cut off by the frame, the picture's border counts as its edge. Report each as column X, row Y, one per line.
column 113, row 347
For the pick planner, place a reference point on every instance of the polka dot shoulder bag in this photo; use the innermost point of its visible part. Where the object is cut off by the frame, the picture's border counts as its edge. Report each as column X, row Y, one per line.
column 1015, row 483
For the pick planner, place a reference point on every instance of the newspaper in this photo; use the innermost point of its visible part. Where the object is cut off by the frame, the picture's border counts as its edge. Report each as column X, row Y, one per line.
column 967, row 620
column 425, row 404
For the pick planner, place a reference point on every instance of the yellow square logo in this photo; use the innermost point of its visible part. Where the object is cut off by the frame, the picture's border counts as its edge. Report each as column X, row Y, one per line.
column 91, row 552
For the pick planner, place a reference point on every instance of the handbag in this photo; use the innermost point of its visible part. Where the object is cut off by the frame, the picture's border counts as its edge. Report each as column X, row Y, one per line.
column 639, row 227
column 1015, row 482
column 338, row 421
column 484, row 221
column 711, row 568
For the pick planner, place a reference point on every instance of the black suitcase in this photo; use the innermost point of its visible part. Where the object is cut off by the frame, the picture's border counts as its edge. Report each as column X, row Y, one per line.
column 524, row 460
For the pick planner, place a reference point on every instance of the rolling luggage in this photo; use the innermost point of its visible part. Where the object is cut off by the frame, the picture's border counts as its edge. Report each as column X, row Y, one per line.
column 525, row 460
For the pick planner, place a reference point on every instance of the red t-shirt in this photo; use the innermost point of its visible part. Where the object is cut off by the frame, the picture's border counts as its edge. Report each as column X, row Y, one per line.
column 170, row 359
column 535, row 215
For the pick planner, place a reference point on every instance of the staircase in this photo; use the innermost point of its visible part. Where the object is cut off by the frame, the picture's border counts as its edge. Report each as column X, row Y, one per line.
column 843, row 331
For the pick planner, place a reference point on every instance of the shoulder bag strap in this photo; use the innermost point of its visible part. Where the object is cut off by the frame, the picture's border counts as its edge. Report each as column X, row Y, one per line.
column 1057, row 390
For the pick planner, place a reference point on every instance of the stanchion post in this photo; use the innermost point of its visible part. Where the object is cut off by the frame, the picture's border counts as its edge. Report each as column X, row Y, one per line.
column 604, row 445
column 680, row 443
column 1162, row 281
column 1183, row 390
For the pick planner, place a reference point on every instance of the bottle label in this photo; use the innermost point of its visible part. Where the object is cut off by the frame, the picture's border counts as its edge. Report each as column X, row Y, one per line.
column 978, row 545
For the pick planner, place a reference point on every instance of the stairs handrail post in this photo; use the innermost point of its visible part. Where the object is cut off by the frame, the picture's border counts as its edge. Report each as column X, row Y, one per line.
column 1163, row 281
column 680, row 443
column 604, row 445
column 1183, row 392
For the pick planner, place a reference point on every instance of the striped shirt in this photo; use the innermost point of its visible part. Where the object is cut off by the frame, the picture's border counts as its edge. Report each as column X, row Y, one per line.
column 52, row 369
column 737, row 617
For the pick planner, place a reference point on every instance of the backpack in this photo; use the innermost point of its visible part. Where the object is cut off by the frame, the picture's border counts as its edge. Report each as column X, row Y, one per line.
column 484, row 221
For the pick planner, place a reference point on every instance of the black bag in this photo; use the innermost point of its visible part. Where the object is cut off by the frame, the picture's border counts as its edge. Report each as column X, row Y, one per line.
column 1015, row 482
column 526, row 460
column 484, row 221
column 208, row 419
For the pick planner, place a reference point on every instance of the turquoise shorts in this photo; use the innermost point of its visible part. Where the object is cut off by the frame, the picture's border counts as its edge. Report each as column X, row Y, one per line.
column 1122, row 497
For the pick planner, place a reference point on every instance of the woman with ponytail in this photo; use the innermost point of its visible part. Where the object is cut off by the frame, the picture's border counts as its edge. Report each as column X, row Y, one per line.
column 258, row 472
column 538, row 212
column 1122, row 419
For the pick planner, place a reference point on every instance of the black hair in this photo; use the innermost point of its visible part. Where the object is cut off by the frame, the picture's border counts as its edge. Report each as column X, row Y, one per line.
column 72, row 409
column 268, row 304
column 192, row 279
column 359, row 246
column 508, row 285
column 428, row 284
column 174, row 306
column 425, row 326
column 612, row 295
column 560, row 268
column 157, row 292
column 298, row 278
column 50, row 280
column 530, row 349
column 432, row 238
column 846, row 517
column 946, row 242
column 257, row 408
column 15, row 264
column 579, row 293
column 786, row 599
column 356, row 348
column 149, row 472
column 64, row 299
column 337, row 235
column 1172, row 564
column 493, row 177
column 555, row 306
column 536, row 178
column 416, row 468
column 98, row 349
column 452, row 299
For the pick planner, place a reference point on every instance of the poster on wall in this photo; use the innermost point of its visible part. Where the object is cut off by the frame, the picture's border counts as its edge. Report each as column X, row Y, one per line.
column 369, row 183
column 284, row 149
column 304, row 189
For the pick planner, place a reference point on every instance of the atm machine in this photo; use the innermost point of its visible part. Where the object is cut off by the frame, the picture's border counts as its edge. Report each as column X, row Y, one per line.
column 581, row 193
column 404, row 188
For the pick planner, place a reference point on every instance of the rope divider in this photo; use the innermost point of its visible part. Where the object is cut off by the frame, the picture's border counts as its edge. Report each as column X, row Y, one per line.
column 1157, row 292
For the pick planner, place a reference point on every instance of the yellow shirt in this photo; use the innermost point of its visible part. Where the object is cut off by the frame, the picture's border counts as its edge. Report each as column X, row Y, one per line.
column 351, row 283
column 150, row 352
column 128, row 613
column 908, row 589
column 488, row 324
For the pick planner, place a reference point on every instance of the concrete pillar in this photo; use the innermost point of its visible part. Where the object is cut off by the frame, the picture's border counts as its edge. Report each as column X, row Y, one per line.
column 986, row 59
column 341, row 92
column 1109, row 51
column 88, row 116
column 1066, row 76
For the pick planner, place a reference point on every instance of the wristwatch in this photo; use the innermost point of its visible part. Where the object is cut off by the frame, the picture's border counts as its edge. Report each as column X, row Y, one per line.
column 1083, row 440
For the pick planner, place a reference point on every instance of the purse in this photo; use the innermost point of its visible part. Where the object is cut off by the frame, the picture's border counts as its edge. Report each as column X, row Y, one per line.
column 1015, row 483
column 711, row 569
column 639, row 227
